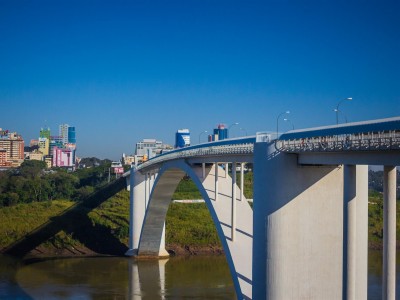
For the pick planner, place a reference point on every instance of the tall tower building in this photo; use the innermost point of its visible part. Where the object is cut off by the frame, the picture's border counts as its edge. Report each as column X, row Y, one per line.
column 182, row 138
column 63, row 133
column 71, row 135
column 220, row 133
column 45, row 133
column 44, row 140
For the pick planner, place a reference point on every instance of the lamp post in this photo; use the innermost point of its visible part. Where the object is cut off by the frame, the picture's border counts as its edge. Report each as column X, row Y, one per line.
column 337, row 108
column 287, row 120
column 277, row 121
column 245, row 131
column 231, row 126
column 205, row 131
column 344, row 115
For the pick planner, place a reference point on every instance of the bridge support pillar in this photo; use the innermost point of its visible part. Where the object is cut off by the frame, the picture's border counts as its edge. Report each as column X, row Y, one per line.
column 298, row 229
column 355, row 232
column 389, row 233
column 137, row 210
column 216, row 190
column 234, row 196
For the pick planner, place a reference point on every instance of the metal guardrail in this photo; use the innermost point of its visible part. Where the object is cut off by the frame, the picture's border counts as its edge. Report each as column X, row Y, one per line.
column 202, row 151
column 369, row 141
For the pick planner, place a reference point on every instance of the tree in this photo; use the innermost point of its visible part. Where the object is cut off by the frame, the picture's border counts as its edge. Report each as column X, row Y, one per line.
column 32, row 168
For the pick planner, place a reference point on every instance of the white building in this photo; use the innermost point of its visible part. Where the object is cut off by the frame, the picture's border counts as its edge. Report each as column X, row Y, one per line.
column 150, row 148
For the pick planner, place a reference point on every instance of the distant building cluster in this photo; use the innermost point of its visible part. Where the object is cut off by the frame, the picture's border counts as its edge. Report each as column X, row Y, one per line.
column 60, row 150
column 149, row 148
column 56, row 150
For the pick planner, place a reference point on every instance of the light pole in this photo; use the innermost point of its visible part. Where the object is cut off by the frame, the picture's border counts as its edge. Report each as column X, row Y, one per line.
column 337, row 108
column 205, row 131
column 277, row 121
column 344, row 115
column 287, row 120
column 231, row 126
column 245, row 131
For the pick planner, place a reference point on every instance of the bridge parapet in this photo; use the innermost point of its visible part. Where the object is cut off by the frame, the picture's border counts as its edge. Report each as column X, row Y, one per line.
column 370, row 141
column 375, row 135
column 232, row 147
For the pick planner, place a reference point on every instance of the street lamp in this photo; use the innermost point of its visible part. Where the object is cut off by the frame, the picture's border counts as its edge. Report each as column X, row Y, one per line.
column 245, row 131
column 337, row 108
column 231, row 126
column 277, row 121
column 205, row 131
column 287, row 120
column 344, row 115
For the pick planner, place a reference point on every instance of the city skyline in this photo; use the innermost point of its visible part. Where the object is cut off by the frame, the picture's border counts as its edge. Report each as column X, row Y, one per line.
column 122, row 72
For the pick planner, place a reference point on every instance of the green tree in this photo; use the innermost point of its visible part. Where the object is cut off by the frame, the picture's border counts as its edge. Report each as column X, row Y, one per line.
column 62, row 185
column 32, row 168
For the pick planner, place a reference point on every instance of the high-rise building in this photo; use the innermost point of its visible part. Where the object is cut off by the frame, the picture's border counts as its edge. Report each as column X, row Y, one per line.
column 182, row 138
column 63, row 133
column 44, row 145
column 55, row 141
column 45, row 133
column 71, row 135
column 12, row 148
column 150, row 148
column 220, row 133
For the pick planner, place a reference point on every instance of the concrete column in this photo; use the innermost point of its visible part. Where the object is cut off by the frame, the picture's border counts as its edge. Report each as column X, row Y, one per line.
column 226, row 170
column 349, row 232
column 241, row 181
column 389, row 233
column 233, row 215
column 131, row 210
column 297, row 232
column 137, row 210
column 149, row 191
column 362, row 232
column 203, row 169
column 146, row 189
column 216, row 182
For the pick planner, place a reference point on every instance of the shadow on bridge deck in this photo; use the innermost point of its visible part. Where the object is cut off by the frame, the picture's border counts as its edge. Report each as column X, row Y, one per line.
column 75, row 220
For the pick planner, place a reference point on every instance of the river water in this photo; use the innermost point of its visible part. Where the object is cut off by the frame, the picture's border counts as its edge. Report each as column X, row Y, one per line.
column 195, row 277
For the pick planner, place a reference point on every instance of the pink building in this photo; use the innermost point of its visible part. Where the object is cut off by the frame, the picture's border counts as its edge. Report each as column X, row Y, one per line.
column 63, row 157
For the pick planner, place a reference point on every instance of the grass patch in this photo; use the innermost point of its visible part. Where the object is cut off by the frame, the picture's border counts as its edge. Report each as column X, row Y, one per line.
column 190, row 224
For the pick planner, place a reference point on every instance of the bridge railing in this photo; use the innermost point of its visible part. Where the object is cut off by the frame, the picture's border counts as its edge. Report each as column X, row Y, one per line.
column 231, row 147
column 368, row 141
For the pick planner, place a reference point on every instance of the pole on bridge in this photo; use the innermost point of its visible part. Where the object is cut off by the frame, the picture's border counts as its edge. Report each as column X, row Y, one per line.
column 389, row 233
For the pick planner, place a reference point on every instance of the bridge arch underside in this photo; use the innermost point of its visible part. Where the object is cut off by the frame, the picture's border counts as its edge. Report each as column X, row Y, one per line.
column 238, row 250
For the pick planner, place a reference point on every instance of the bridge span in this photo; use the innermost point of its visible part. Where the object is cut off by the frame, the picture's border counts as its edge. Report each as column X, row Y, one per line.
column 306, row 236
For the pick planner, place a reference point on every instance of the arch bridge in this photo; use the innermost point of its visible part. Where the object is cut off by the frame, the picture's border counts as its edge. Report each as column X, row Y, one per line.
column 307, row 234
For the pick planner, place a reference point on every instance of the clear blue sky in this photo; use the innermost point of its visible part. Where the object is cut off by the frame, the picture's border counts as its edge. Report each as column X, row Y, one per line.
column 121, row 71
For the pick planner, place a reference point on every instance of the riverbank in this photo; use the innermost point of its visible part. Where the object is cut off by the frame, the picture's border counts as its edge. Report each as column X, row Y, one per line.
column 104, row 230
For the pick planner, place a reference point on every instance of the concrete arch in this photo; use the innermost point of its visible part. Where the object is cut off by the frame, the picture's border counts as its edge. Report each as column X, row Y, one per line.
column 238, row 251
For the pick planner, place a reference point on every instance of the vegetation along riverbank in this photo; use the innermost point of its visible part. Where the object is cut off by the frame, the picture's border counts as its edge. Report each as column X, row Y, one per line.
column 51, row 224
